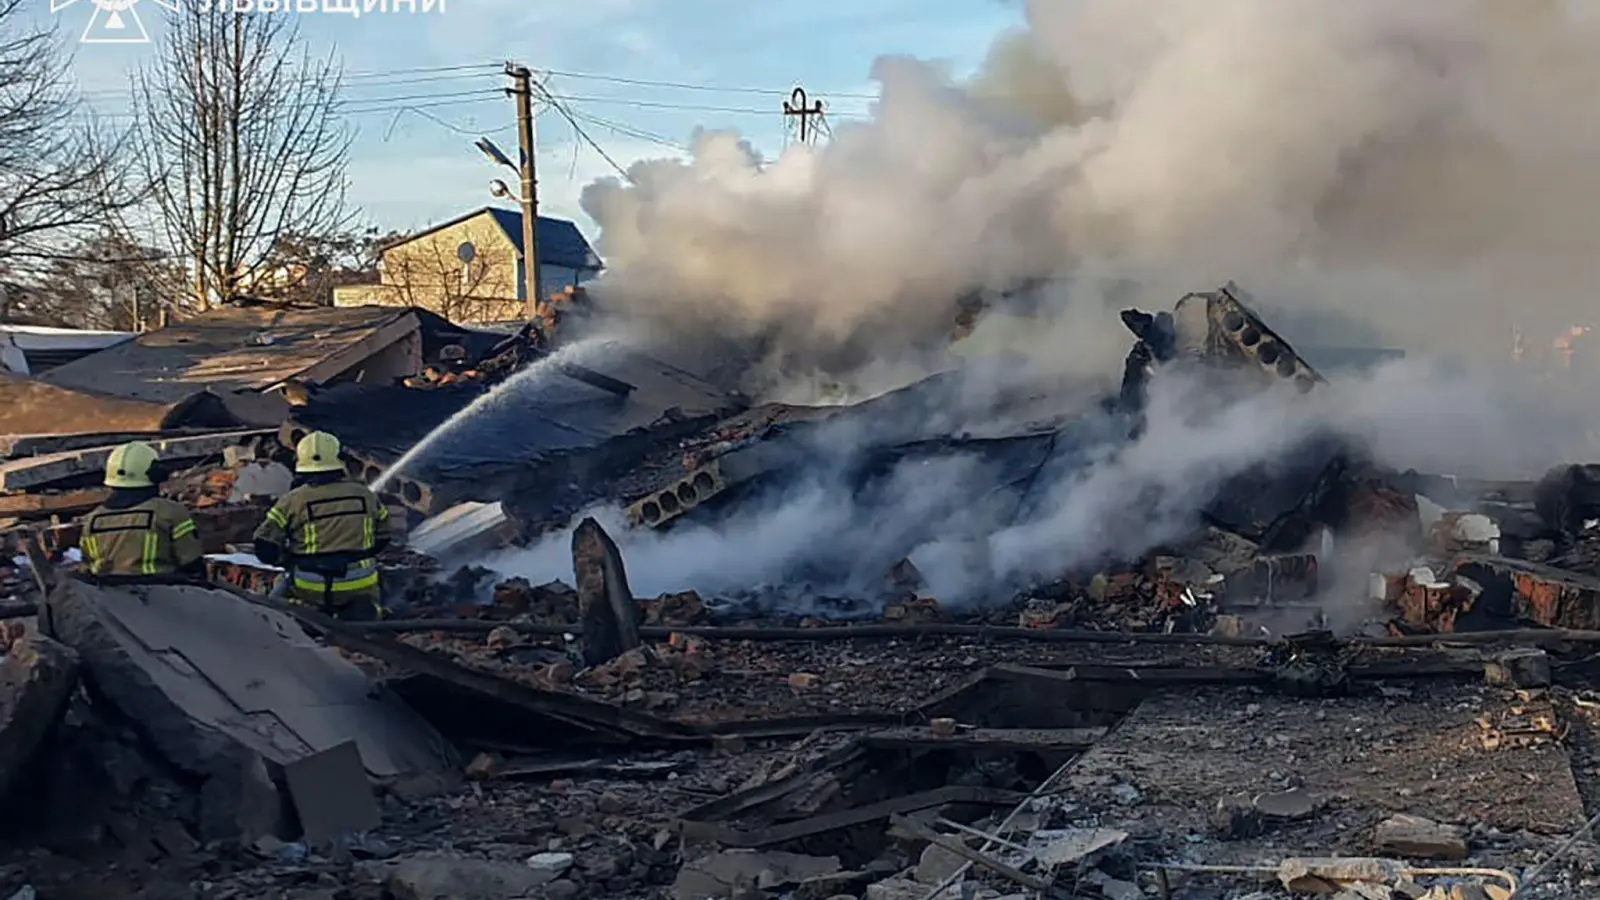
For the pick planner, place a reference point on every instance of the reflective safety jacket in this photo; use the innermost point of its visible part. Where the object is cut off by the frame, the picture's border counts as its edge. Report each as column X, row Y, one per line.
column 329, row 534
column 154, row 537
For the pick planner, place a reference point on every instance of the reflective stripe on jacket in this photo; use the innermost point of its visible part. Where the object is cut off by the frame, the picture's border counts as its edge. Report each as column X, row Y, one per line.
column 328, row 530
column 155, row 537
column 360, row 576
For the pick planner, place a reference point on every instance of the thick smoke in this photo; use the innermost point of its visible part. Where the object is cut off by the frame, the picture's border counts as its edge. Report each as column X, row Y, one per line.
column 1418, row 175
column 1426, row 167
column 1118, row 504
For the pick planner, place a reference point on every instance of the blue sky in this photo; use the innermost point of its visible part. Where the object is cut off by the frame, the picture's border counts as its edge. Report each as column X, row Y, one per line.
column 420, row 86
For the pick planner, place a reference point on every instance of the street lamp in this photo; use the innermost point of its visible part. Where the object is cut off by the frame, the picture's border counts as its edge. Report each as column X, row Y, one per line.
column 530, row 240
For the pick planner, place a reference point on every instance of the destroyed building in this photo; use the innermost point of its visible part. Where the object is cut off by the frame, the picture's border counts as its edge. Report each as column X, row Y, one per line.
column 1181, row 720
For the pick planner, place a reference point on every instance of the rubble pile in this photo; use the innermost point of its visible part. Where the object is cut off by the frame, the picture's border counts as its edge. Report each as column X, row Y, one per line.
column 1233, row 714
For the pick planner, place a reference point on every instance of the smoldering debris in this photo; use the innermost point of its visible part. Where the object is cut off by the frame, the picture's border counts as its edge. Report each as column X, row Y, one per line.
column 855, row 648
column 1005, row 497
column 1218, row 489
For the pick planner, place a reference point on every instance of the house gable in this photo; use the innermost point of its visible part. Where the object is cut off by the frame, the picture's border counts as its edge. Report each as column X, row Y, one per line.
column 560, row 242
column 425, row 269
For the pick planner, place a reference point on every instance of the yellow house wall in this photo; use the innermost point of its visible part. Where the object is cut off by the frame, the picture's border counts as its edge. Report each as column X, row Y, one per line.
column 427, row 272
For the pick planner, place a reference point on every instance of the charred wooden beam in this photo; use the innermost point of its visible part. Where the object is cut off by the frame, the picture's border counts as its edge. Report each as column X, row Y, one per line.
column 1047, row 740
column 610, row 617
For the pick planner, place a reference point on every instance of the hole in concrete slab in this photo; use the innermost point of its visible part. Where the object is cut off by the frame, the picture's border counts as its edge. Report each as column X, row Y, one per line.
column 411, row 492
column 1268, row 353
column 1286, row 366
column 370, row 474
column 686, row 493
column 1250, row 337
column 651, row 512
column 704, row 484
column 297, row 435
column 669, row 502
column 1017, row 726
column 1305, row 383
column 353, row 467
column 1233, row 321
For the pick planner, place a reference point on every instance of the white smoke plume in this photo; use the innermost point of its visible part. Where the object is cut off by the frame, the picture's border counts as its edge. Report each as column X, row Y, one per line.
column 1419, row 175
column 1119, row 505
column 1426, row 167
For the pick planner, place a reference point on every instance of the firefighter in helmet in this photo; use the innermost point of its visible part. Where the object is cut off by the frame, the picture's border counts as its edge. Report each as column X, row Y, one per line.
column 137, row 534
column 327, row 532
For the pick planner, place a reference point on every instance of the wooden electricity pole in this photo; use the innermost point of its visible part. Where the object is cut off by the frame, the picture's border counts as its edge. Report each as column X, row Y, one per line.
column 522, row 90
column 796, row 106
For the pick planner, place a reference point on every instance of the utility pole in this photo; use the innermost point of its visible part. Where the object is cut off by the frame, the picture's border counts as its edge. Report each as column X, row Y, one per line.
column 522, row 90
column 797, row 107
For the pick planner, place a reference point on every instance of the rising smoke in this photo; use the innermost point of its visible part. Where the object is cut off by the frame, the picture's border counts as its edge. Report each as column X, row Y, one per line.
column 1424, row 170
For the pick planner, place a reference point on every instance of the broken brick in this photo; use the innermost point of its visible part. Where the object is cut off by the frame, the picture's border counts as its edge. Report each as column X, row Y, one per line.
column 502, row 638
column 1418, row 838
column 483, row 766
column 514, row 596
column 1429, row 602
column 1536, row 593
column 1521, row 667
column 682, row 608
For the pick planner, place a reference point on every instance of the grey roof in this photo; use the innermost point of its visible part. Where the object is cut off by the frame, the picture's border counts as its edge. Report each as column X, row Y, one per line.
column 539, row 420
column 224, row 350
column 560, row 241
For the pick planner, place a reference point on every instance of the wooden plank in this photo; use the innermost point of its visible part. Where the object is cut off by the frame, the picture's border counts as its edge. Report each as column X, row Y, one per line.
column 20, row 474
column 960, row 849
column 1154, row 676
column 738, row 838
column 34, row 506
column 732, row 805
column 1038, row 739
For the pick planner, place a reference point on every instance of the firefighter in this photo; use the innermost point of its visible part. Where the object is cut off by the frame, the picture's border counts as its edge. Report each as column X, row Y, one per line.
column 327, row 532
column 137, row 534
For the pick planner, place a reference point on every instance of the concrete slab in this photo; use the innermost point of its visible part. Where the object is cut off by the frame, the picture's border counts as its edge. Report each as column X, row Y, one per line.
column 330, row 795
column 212, row 680
column 20, row 474
column 463, row 529
column 37, row 678
column 1453, row 753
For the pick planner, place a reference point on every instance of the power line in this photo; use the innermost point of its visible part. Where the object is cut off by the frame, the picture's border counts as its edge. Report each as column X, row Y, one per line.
column 343, row 110
column 424, row 69
column 447, row 125
column 630, row 131
column 578, row 129
column 115, row 93
column 350, row 81
column 477, row 92
column 685, row 86
column 650, row 104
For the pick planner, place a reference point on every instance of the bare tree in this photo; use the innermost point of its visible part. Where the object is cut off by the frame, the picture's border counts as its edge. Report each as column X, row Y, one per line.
column 106, row 283
column 58, row 180
column 239, row 135
column 434, row 278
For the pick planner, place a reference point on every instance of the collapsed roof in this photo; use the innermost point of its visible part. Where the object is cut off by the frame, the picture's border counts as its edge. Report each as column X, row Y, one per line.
column 576, row 408
column 241, row 352
column 28, row 406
